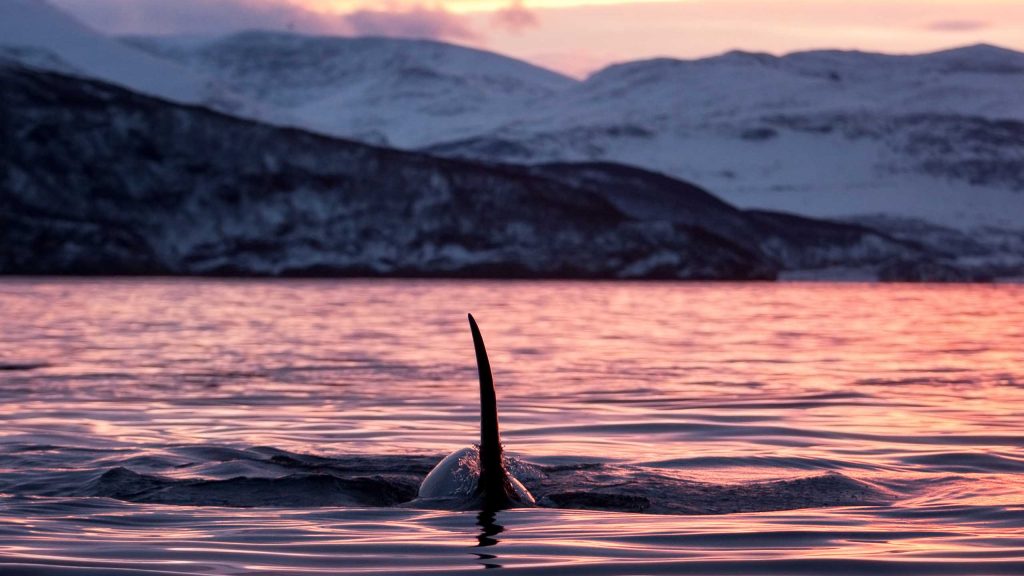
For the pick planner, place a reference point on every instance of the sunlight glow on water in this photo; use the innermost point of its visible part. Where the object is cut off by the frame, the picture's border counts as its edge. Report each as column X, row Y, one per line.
column 917, row 391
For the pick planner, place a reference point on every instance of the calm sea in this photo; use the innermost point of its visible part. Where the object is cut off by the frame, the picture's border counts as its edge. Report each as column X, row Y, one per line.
column 222, row 427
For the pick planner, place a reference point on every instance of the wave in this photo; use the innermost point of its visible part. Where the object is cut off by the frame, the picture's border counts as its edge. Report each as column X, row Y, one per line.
column 274, row 478
column 967, row 462
column 294, row 491
column 22, row 366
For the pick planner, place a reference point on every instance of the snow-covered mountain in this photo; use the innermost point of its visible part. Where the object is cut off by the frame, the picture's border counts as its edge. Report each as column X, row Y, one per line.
column 104, row 180
column 385, row 90
column 936, row 136
column 921, row 157
column 35, row 33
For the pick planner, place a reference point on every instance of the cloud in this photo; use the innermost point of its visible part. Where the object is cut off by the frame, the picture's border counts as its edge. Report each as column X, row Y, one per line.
column 204, row 17
column 958, row 25
column 516, row 17
column 197, row 16
column 412, row 22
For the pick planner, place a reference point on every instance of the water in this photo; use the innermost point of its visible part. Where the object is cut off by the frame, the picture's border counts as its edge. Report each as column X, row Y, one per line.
column 214, row 427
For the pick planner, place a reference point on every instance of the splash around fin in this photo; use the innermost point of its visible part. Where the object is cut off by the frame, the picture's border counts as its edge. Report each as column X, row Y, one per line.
column 477, row 477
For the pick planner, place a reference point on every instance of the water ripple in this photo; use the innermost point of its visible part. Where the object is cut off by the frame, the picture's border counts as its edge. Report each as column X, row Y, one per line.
column 217, row 427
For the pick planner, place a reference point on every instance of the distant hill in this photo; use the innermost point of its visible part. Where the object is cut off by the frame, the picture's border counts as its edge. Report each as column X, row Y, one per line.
column 933, row 137
column 938, row 137
column 106, row 181
column 920, row 157
column 383, row 90
column 36, row 33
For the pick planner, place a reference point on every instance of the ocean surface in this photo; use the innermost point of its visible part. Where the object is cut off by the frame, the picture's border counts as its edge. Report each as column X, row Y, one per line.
column 282, row 427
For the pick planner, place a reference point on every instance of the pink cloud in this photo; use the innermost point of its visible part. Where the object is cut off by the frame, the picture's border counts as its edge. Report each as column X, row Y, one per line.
column 225, row 16
column 958, row 25
column 195, row 16
column 515, row 17
column 414, row 22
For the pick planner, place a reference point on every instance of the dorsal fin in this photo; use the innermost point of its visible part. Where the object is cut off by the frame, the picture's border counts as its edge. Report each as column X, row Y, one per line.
column 492, row 472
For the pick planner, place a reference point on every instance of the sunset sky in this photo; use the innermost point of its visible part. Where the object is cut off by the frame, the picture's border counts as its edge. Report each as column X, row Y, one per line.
column 578, row 36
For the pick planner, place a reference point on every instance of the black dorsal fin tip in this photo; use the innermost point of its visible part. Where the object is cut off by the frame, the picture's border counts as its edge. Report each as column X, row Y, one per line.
column 492, row 471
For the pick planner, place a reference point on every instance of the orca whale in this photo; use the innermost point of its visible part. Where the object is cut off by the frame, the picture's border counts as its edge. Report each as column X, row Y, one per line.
column 476, row 477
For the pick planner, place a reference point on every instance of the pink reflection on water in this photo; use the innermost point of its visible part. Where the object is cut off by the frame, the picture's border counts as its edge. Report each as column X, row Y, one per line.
column 915, row 389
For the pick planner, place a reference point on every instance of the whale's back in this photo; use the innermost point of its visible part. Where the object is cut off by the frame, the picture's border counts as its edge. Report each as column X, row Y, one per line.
column 457, row 479
column 457, row 476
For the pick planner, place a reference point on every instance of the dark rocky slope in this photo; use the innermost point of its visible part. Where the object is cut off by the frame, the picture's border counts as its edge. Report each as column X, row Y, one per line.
column 99, row 180
column 791, row 242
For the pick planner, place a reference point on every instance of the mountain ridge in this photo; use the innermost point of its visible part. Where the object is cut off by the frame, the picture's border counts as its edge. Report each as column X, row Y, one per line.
column 189, row 199
column 840, row 135
column 340, row 85
column 824, row 133
column 106, row 180
column 35, row 32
